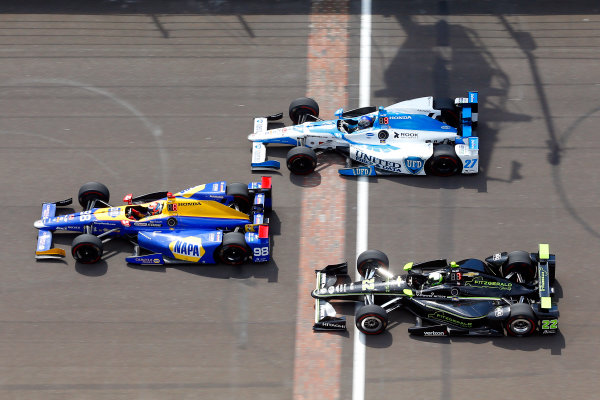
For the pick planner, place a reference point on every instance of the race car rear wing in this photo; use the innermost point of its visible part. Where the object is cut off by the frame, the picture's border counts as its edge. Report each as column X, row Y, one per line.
column 259, row 150
column 44, row 249
column 469, row 113
column 326, row 318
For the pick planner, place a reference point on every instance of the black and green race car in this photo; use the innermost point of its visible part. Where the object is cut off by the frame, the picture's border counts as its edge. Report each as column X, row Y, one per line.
column 508, row 293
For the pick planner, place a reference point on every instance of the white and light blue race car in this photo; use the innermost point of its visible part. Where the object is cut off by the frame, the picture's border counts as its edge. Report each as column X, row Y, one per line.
column 424, row 136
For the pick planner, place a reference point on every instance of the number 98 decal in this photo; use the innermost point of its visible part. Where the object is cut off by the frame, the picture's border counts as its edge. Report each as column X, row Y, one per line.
column 261, row 251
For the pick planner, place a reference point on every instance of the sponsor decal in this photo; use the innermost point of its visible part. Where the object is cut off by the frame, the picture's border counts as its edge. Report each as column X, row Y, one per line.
column 196, row 203
column 188, row 249
column 434, row 333
column 401, row 117
column 409, row 135
column 383, row 135
column 443, row 317
column 149, row 224
column 482, row 283
column 331, row 325
column 378, row 162
column 414, row 164
column 114, row 212
column 71, row 216
column 370, row 134
column 126, row 223
column 46, row 212
column 44, row 236
column 498, row 312
column 496, row 256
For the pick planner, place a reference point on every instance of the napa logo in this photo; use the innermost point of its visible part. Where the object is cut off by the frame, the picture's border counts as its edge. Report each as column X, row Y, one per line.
column 187, row 249
column 414, row 164
column 191, row 191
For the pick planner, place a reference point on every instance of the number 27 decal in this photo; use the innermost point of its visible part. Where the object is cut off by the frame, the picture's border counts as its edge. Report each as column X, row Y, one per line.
column 470, row 163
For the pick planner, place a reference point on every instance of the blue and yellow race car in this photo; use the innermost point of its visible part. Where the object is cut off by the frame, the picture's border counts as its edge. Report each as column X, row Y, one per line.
column 205, row 224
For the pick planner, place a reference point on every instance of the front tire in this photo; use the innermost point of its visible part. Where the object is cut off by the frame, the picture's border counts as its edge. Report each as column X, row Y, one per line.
column 87, row 249
column 371, row 260
column 233, row 250
column 444, row 161
column 93, row 191
column 371, row 319
column 303, row 107
column 241, row 197
column 301, row 160
column 522, row 320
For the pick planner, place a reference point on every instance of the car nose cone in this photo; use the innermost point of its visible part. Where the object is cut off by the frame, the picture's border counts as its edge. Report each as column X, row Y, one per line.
column 39, row 224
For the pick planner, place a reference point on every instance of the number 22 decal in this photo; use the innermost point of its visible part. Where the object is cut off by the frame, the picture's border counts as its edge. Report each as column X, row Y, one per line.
column 549, row 324
column 470, row 163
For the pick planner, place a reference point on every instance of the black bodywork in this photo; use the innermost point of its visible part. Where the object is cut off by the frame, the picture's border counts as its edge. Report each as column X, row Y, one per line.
column 508, row 292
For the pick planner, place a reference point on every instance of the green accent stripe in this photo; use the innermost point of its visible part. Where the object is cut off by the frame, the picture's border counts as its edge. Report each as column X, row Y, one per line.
column 408, row 266
column 544, row 252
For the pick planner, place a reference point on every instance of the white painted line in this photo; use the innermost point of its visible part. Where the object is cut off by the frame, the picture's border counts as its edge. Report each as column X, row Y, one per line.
column 362, row 197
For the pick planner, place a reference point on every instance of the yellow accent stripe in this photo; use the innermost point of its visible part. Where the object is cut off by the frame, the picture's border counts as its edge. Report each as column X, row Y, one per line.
column 408, row 266
column 51, row 252
column 544, row 252
column 546, row 302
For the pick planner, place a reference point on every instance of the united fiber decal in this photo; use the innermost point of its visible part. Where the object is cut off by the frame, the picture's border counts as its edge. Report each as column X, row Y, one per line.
column 187, row 249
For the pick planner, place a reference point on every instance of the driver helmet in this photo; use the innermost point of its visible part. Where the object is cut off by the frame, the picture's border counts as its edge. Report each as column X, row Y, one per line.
column 434, row 278
column 154, row 208
column 365, row 122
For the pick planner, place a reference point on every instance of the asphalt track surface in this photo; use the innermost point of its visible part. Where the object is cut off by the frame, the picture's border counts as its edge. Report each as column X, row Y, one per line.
column 144, row 96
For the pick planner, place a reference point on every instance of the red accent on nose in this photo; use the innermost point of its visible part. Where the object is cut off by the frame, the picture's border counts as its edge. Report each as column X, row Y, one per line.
column 263, row 232
column 265, row 182
column 127, row 198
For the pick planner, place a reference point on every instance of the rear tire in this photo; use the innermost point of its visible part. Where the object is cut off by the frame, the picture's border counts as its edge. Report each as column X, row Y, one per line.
column 519, row 262
column 371, row 319
column 370, row 260
column 233, row 250
column 443, row 162
column 521, row 322
column 93, row 191
column 87, row 249
column 241, row 197
column 301, row 107
column 301, row 160
column 450, row 113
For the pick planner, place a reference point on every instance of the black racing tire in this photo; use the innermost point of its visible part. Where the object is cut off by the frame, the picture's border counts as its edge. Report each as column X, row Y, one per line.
column 241, row 196
column 370, row 260
column 233, row 250
column 87, row 249
column 520, row 262
column 93, row 191
column 371, row 319
column 444, row 161
column 522, row 321
column 303, row 106
column 301, row 160
column 450, row 113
